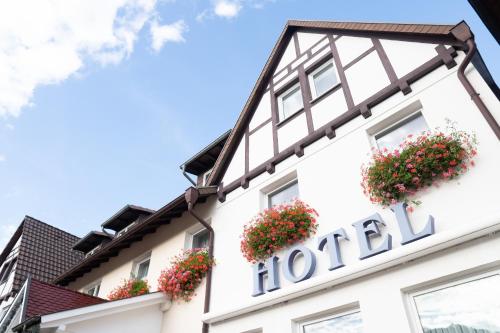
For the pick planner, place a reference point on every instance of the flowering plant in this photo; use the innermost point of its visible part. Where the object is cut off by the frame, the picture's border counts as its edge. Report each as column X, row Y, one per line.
column 129, row 288
column 276, row 228
column 181, row 279
column 394, row 176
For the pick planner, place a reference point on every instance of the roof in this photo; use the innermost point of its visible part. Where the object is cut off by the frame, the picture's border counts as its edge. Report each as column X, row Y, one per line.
column 91, row 240
column 411, row 32
column 44, row 251
column 205, row 159
column 125, row 216
column 45, row 298
column 163, row 216
column 489, row 12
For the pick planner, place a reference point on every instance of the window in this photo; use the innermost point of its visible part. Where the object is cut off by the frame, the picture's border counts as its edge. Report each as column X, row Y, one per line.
column 284, row 194
column 391, row 138
column 467, row 306
column 347, row 322
column 93, row 289
column 323, row 79
column 6, row 270
column 141, row 267
column 200, row 239
column 290, row 102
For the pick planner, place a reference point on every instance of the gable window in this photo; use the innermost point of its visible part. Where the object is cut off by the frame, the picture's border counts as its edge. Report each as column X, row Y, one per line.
column 323, row 79
column 93, row 289
column 393, row 136
column 200, row 239
column 284, row 194
column 141, row 267
column 347, row 322
column 290, row 102
column 469, row 305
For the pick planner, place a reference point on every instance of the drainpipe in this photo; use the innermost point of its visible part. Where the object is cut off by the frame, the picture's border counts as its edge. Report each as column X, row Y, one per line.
column 191, row 196
column 183, row 168
column 464, row 34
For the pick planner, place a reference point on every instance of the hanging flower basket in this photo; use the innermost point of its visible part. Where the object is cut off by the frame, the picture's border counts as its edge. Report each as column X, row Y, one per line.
column 420, row 162
column 276, row 228
column 185, row 275
column 129, row 288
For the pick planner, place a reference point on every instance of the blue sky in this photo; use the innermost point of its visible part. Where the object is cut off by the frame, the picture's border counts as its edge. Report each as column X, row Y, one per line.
column 98, row 111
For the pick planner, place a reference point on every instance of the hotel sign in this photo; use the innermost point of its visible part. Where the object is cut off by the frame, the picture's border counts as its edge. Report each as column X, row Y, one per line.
column 365, row 229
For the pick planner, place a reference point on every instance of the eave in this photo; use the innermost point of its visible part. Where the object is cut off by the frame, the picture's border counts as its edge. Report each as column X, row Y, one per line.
column 163, row 216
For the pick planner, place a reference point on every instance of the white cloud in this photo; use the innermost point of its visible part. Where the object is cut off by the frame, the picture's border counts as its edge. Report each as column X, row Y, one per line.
column 9, row 126
column 161, row 34
column 230, row 9
column 52, row 40
column 2, row 158
column 227, row 8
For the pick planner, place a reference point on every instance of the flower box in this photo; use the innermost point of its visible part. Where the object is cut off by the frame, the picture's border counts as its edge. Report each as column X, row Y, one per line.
column 129, row 288
column 396, row 176
column 181, row 279
column 277, row 228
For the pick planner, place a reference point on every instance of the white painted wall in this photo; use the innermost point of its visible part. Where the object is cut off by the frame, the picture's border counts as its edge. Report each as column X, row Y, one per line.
column 147, row 319
column 366, row 77
column 406, row 56
column 306, row 40
column 352, row 47
column 260, row 141
column 237, row 166
column 262, row 112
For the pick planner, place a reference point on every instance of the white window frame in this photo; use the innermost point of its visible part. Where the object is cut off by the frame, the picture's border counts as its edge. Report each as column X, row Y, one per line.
column 300, row 325
column 280, row 189
column 95, row 284
column 197, row 233
column 206, row 175
column 190, row 232
column 316, row 71
column 413, row 315
column 281, row 115
column 396, row 124
column 137, row 262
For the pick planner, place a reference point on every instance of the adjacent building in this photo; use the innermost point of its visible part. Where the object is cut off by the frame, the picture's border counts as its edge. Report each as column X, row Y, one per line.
column 328, row 94
column 35, row 250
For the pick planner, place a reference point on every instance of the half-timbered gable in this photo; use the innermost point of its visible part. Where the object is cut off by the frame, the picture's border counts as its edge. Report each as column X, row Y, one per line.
column 321, row 76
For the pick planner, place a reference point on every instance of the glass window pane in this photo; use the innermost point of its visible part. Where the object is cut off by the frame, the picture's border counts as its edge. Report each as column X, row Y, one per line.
column 469, row 307
column 395, row 136
column 200, row 240
column 284, row 195
column 291, row 102
column 350, row 323
column 142, row 270
column 324, row 79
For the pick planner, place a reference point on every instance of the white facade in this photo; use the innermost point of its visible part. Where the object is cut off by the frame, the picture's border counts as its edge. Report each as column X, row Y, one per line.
column 465, row 243
column 466, row 211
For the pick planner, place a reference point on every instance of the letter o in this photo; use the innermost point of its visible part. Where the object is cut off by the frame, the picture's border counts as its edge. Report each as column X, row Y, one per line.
column 309, row 267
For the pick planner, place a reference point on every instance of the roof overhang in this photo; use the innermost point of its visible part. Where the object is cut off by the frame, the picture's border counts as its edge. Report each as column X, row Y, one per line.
column 91, row 240
column 125, row 216
column 205, row 159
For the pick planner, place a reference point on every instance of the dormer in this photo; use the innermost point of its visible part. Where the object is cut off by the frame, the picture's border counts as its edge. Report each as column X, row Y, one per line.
column 203, row 162
column 92, row 242
column 125, row 218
